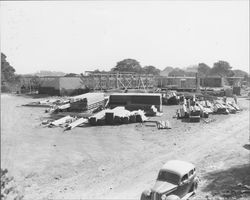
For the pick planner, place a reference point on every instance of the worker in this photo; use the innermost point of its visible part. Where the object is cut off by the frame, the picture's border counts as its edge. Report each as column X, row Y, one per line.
column 235, row 99
column 225, row 99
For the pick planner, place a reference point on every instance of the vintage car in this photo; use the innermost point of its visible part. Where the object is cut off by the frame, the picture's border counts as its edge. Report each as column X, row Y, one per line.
column 176, row 180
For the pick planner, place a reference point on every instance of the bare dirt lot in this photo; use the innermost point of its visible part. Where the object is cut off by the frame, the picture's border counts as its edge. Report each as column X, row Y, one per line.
column 119, row 162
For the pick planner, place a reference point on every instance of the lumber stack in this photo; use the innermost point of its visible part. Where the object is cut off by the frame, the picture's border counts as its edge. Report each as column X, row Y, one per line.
column 62, row 121
column 163, row 125
column 118, row 115
column 182, row 112
column 88, row 101
column 194, row 113
column 220, row 108
column 76, row 123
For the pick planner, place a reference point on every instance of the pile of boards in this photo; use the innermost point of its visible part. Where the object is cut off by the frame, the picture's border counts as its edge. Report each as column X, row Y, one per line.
column 197, row 109
column 68, row 122
column 116, row 116
column 170, row 98
column 226, row 108
column 48, row 102
column 81, row 103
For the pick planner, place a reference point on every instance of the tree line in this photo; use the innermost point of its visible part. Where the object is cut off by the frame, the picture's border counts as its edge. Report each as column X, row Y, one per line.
column 220, row 68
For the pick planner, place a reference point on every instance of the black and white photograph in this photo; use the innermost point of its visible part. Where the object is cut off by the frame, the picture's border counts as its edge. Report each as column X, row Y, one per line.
column 125, row 100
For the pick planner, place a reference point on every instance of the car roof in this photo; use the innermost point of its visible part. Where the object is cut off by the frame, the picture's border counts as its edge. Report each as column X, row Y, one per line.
column 177, row 166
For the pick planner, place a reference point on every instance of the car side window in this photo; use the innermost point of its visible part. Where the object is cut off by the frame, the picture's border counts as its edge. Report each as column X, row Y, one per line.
column 185, row 177
column 191, row 173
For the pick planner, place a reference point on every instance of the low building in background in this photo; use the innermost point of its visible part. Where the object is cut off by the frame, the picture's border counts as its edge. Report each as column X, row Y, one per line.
column 213, row 81
column 62, row 86
column 179, row 83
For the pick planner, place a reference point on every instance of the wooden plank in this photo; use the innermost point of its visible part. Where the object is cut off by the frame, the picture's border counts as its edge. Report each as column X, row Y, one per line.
column 76, row 123
column 61, row 121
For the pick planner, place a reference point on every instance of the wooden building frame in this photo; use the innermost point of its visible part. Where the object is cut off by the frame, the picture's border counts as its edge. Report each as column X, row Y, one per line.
column 106, row 81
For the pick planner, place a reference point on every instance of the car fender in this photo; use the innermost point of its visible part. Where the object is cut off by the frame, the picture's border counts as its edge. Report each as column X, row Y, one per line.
column 145, row 195
column 172, row 197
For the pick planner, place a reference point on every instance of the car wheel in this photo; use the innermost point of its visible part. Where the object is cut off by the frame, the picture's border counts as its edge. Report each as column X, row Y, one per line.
column 172, row 197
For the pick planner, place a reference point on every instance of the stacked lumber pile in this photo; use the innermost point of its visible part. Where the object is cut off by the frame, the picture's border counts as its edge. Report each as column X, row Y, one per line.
column 163, row 125
column 98, row 118
column 182, row 112
column 195, row 113
column 172, row 98
column 118, row 115
column 207, row 106
column 62, row 122
column 76, row 123
column 68, row 122
column 85, row 102
column 48, row 102
column 220, row 108
column 194, row 110
column 79, row 103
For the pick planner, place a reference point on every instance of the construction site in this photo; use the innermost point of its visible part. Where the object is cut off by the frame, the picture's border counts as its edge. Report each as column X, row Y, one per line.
column 83, row 137
column 125, row 100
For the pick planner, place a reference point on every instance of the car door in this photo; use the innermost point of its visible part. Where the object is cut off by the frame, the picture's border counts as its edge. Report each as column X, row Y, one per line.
column 191, row 176
column 183, row 186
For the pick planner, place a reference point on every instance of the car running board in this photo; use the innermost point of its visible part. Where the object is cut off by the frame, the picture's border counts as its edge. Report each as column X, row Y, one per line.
column 187, row 196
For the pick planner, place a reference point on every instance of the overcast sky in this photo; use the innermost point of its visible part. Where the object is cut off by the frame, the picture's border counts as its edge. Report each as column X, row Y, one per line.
column 82, row 35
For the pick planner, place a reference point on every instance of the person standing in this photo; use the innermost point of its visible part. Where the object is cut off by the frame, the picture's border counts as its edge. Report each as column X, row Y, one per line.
column 235, row 99
column 225, row 99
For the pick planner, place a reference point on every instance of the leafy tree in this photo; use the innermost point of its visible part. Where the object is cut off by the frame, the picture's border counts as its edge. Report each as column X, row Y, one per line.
column 221, row 68
column 239, row 73
column 7, row 71
column 97, row 71
column 9, row 80
column 203, row 69
column 166, row 71
column 177, row 72
column 128, row 65
column 9, row 189
column 151, row 70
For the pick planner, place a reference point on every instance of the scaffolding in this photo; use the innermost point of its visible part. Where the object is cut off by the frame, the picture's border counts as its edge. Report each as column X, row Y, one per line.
column 119, row 80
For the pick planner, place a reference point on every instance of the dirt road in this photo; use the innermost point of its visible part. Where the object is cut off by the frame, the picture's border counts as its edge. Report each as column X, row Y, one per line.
column 119, row 161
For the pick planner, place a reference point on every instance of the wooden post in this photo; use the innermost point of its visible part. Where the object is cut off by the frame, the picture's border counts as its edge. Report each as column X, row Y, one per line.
column 197, row 83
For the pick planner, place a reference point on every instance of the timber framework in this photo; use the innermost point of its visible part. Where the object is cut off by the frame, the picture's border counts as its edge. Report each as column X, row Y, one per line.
column 105, row 81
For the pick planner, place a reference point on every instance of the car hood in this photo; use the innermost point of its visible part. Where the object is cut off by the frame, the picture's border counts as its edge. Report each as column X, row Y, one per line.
column 163, row 187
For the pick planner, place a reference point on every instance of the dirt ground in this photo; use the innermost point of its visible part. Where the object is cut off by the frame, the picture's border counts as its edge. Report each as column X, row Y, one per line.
column 119, row 162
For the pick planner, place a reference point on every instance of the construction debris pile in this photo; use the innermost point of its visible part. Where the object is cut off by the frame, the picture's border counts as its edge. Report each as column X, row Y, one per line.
column 170, row 98
column 119, row 108
column 49, row 102
column 95, row 109
column 80, row 103
column 116, row 116
column 194, row 110
column 89, row 102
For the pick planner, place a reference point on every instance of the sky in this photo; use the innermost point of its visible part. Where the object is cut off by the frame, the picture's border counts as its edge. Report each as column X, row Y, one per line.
column 77, row 36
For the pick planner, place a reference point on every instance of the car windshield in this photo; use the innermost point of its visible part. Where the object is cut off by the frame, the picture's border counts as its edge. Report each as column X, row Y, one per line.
column 168, row 177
